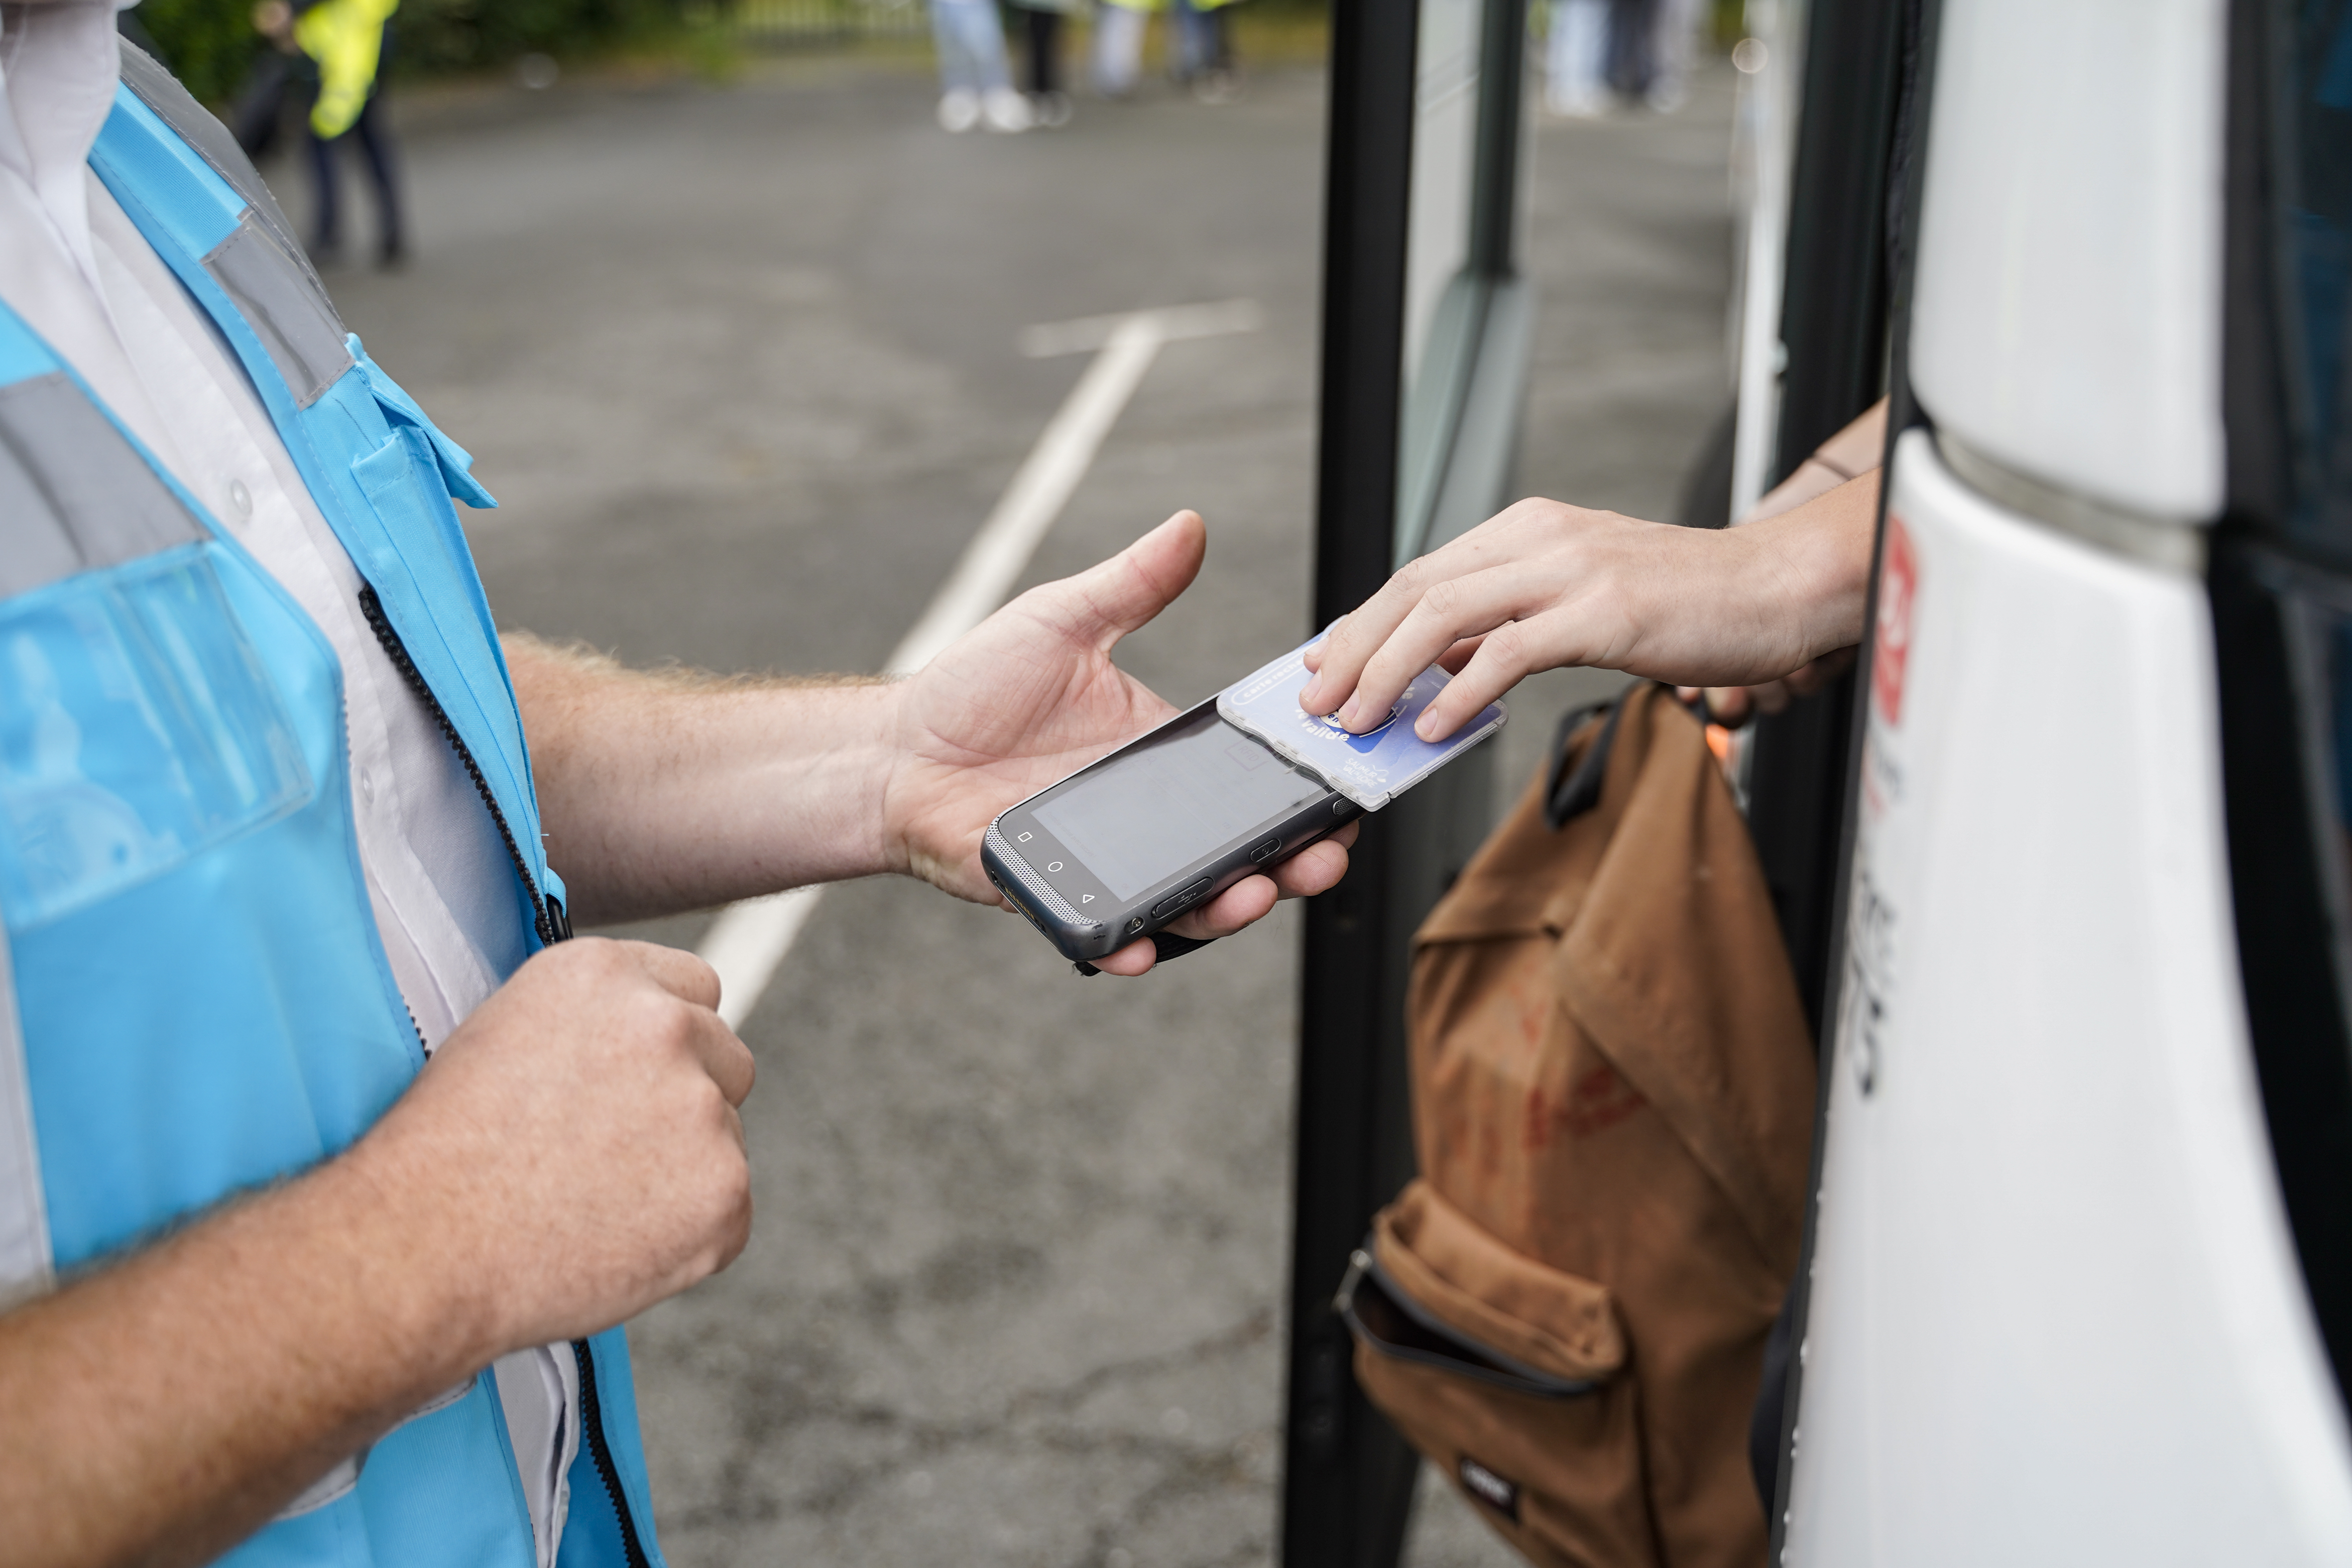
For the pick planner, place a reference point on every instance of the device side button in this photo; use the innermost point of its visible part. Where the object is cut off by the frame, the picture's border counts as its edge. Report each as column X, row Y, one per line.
column 1265, row 851
column 1176, row 901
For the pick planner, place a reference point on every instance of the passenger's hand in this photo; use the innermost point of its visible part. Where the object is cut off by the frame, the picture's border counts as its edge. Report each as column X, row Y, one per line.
column 1734, row 706
column 1544, row 586
column 1030, row 696
column 571, row 1153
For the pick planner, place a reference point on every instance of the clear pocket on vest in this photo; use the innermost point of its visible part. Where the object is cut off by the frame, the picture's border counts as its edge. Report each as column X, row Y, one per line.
column 137, row 726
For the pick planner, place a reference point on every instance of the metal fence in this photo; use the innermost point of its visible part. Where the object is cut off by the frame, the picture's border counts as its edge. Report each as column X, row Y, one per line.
column 786, row 24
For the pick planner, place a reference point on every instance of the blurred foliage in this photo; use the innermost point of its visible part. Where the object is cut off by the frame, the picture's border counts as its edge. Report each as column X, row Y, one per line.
column 1727, row 20
column 467, row 35
column 209, row 42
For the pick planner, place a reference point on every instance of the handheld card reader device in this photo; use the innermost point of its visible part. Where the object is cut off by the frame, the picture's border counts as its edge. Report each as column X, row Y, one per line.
column 1229, row 788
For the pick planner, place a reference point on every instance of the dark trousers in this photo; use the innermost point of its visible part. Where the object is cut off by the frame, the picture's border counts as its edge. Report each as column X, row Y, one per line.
column 1043, row 33
column 374, row 139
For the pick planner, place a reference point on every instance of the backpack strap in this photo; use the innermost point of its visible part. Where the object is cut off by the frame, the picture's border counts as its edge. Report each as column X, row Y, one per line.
column 1571, row 791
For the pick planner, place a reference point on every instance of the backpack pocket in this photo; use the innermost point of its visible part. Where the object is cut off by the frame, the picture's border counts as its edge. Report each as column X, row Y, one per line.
column 1510, row 1375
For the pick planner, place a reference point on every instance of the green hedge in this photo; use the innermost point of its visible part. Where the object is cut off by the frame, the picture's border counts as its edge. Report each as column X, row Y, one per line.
column 210, row 43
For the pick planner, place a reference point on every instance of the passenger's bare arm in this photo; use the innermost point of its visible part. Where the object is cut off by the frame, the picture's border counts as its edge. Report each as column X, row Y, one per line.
column 1544, row 586
column 1852, row 452
column 662, row 792
column 570, row 1156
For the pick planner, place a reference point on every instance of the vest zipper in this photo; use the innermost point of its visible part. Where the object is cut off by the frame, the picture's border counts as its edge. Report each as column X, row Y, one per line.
column 592, row 1417
column 553, row 926
column 547, row 914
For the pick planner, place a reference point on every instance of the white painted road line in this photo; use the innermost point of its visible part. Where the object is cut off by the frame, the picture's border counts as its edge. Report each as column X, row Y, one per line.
column 749, row 939
column 1088, row 333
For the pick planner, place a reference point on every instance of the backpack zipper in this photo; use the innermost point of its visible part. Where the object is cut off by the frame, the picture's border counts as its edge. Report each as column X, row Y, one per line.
column 553, row 926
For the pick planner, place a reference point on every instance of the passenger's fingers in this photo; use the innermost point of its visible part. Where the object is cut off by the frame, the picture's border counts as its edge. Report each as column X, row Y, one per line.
column 1504, row 658
column 1466, row 607
column 1810, row 677
column 1357, row 637
column 1771, row 697
column 1729, row 706
column 1452, row 660
column 1313, row 656
column 1514, row 534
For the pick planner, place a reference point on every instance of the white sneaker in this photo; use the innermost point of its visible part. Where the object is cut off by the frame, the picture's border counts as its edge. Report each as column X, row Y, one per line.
column 1578, row 104
column 1217, row 86
column 1006, row 110
column 959, row 110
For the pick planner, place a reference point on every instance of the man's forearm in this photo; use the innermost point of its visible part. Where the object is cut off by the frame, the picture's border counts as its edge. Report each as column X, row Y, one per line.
column 162, row 1408
column 661, row 793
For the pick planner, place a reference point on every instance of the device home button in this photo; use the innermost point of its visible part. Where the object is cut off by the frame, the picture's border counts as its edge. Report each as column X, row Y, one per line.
column 1174, row 902
column 1264, row 852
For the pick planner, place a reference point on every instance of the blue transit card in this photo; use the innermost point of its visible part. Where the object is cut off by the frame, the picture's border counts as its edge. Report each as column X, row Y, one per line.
column 1372, row 768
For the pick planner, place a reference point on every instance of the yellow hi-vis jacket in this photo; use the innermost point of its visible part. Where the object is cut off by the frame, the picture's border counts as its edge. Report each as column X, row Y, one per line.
column 346, row 38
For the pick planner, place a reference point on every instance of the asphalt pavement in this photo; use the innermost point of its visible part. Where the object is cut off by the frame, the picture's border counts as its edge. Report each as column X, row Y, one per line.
column 741, row 363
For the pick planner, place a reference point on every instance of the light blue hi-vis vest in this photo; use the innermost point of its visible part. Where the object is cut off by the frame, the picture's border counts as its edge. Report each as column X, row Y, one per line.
column 203, row 1003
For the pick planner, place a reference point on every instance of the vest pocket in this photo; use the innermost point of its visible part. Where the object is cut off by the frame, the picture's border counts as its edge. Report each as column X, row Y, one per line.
column 1510, row 1376
column 402, row 479
column 138, row 726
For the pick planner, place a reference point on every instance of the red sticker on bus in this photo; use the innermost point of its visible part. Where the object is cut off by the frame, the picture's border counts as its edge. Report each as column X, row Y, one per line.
column 1898, row 589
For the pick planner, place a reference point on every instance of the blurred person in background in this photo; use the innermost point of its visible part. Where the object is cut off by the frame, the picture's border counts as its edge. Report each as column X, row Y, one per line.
column 1040, row 34
column 348, row 45
column 1673, row 25
column 1597, row 51
column 278, row 72
column 1576, row 58
column 1119, row 28
column 1650, row 50
column 1205, row 50
column 975, row 82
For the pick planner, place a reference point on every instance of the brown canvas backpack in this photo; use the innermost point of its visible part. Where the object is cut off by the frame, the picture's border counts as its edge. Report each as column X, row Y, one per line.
column 1614, row 1101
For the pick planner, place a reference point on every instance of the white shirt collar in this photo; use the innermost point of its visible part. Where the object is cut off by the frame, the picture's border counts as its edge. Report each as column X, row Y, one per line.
column 59, row 65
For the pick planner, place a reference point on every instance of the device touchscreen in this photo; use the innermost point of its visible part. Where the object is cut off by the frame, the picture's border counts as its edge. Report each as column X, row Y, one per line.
column 1147, row 813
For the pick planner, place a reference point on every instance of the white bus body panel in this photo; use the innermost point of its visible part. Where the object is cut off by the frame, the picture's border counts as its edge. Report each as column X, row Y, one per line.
column 2067, row 311
column 2056, row 1314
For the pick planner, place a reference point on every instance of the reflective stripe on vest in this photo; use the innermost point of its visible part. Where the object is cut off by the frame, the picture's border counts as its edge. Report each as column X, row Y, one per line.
column 203, row 1003
column 383, row 475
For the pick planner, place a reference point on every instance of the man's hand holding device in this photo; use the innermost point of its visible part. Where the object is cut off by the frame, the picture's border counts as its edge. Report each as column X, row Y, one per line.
column 1030, row 696
column 1180, row 823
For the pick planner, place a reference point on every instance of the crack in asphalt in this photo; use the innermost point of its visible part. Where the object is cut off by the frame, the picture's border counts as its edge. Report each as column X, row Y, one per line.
column 1034, row 1421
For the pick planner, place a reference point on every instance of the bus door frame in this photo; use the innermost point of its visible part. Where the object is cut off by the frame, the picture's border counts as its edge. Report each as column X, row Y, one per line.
column 1396, row 474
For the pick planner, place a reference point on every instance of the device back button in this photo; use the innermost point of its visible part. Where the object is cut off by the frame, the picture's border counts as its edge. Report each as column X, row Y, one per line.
column 1264, row 852
column 1176, row 901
